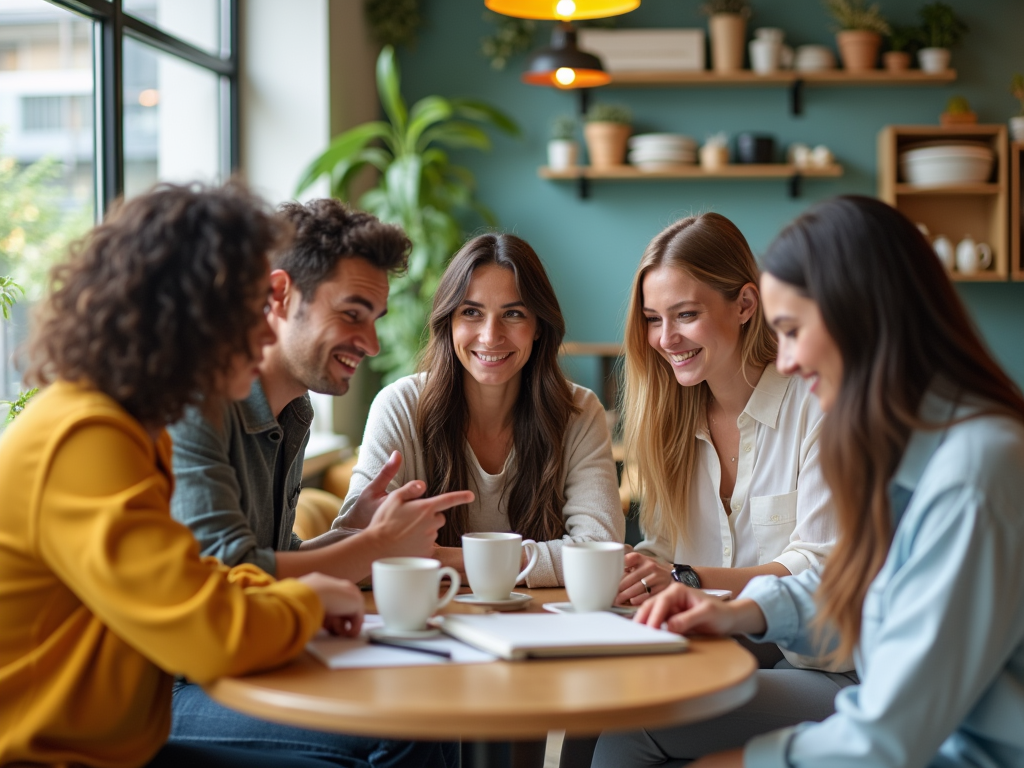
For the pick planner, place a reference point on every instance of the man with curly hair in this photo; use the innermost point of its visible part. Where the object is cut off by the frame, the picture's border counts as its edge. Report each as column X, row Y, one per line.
column 239, row 471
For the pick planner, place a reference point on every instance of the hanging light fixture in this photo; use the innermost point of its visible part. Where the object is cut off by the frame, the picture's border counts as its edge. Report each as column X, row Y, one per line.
column 562, row 10
column 563, row 65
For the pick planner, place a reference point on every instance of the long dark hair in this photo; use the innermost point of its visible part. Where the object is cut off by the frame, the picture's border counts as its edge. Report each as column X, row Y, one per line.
column 540, row 415
column 901, row 329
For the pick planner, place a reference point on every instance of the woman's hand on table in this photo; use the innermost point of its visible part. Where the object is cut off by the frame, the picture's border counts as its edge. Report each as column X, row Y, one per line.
column 342, row 602
column 655, row 575
column 691, row 611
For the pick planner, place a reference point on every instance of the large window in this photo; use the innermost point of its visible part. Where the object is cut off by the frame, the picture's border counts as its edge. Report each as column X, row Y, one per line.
column 99, row 99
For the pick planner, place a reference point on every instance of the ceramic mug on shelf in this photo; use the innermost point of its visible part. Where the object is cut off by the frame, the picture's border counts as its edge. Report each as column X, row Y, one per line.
column 943, row 248
column 592, row 570
column 405, row 591
column 492, row 562
column 765, row 55
column 971, row 256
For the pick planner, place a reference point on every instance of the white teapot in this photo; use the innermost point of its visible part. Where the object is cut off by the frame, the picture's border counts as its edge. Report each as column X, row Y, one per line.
column 943, row 247
column 971, row 256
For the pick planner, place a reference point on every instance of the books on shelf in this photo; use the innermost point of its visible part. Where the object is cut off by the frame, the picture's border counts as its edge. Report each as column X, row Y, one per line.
column 535, row 635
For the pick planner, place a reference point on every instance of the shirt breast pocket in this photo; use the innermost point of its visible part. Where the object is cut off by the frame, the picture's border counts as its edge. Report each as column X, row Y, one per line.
column 772, row 519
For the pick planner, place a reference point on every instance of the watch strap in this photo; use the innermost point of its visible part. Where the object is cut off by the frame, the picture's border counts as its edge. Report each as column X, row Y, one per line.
column 684, row 574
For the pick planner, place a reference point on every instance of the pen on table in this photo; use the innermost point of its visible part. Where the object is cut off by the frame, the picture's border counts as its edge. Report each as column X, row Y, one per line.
column 405, row 647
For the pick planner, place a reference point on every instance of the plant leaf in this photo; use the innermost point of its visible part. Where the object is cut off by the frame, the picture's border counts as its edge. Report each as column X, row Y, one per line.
column 483, row 112
column 426, row 112
column 456, row 135
column 343, row 147
column 389, row 89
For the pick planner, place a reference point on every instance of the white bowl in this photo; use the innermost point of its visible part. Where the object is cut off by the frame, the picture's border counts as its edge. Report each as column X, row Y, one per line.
column 813, row 58
column 662, row 155
column 931, row 166
column 672, row 140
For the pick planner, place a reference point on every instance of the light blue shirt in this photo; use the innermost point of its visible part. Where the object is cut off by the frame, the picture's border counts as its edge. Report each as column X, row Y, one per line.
column 941, row 652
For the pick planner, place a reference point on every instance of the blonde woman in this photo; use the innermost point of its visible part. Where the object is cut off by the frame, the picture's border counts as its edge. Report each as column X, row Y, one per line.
column 725, row 448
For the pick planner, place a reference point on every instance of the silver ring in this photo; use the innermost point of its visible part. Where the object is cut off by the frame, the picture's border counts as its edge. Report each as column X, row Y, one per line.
column 646, row 585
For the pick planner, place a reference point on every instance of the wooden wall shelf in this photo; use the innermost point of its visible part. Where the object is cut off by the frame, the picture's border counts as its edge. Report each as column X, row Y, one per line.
column 955, row 211
column 585, row 173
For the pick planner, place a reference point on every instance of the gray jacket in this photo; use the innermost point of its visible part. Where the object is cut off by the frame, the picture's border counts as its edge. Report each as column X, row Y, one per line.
column 234, row 474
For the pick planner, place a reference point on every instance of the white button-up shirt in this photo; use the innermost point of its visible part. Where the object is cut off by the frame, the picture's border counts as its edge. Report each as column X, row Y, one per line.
column 781, row 507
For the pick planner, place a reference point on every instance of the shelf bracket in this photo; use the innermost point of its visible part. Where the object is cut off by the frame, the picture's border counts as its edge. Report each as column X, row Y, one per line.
column 584, row 100
column 794, row 185
column 796, row 97
column 584, row 187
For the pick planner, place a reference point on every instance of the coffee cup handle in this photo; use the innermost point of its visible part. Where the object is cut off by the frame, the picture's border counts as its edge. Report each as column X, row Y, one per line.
column 986, row 255
column 531, row 546
column 453, row 589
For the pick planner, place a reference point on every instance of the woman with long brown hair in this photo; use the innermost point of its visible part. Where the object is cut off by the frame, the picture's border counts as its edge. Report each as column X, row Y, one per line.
column 492, row 412
column 923, row 445
column 723, row 448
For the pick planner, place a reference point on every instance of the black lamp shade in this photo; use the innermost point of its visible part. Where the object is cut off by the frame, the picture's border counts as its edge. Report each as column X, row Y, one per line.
column 584, row 69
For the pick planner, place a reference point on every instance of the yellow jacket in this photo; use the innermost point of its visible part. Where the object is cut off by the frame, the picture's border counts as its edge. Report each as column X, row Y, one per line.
column 103, row 597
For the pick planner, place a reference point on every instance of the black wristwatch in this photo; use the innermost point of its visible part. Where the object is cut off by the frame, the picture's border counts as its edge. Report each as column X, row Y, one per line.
column 684, row 574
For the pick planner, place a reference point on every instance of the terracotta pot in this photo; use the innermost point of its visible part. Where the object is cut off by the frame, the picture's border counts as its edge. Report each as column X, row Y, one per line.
column 958, row 118
column 858, row 49
column 606, row 143
column 728, row 41
column 896, row 61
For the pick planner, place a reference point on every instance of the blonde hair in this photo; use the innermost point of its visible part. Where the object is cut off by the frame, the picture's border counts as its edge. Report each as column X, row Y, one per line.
column 662, row 418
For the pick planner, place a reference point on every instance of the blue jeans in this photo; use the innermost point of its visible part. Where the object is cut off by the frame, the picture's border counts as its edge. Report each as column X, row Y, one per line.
column 199, row 721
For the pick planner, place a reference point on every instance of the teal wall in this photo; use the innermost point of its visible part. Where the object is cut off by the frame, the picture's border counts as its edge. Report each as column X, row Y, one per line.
column 591, row 247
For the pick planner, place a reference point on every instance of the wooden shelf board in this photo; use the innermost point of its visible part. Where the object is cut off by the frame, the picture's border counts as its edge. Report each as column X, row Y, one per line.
column 747, row 77
column 735, row 171
column 949, row 189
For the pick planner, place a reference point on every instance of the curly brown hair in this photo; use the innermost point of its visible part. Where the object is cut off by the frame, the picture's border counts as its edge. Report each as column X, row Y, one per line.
column 327, row 231
column 152, row 303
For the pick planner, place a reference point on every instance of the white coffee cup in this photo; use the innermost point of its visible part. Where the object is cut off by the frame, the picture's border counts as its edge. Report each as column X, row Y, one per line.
column 943, row 248
column 765, row 54
column 405, row 591
column 492, row 562
column 971, row 256
column 592, row 570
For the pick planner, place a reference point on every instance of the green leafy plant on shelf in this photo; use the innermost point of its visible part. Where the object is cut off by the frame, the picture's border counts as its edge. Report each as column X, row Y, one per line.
column 418, row 188
column 563, row 128
column 715, row 7
column 1017, row 89
column 858, row 15
column 511, row 37
column 905, row 38
column 394, row 22
column 941, row 27
column 609, row 113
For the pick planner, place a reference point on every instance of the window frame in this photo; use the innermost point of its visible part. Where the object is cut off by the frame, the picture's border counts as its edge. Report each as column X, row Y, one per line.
column 111, row 25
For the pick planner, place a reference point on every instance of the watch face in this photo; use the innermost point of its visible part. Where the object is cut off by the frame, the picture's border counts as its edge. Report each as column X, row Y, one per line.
column 686, row 575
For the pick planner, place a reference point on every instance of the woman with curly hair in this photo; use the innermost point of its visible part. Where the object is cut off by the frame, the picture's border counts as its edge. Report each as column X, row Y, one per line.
column 103, row 596
column 923, row 446
column 492, row 412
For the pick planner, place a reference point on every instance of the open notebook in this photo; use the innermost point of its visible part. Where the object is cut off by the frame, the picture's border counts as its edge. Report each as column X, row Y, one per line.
column 542, row 635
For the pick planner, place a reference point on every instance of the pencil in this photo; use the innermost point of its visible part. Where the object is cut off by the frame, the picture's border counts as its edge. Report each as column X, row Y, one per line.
column 406, row 647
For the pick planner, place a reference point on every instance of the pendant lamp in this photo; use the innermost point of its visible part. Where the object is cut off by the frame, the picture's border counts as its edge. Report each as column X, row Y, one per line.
column 563, row 65
column 562, row 10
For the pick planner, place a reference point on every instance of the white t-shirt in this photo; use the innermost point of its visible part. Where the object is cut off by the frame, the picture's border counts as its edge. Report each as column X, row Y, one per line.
column 592, row 511
column 781, row 507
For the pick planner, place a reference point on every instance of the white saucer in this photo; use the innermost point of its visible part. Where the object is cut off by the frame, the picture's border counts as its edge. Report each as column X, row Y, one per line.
column 396, row 634
column 514, row 602
column 622, row 610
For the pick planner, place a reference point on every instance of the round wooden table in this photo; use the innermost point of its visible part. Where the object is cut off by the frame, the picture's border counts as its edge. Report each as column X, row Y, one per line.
column 501, row 701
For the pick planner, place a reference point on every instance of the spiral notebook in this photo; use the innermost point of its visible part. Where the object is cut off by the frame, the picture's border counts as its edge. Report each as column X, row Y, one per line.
column 548, row 635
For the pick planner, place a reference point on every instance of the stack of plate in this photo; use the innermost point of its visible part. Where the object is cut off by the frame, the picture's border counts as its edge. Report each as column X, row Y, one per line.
column 935, row 163
column 658, row 151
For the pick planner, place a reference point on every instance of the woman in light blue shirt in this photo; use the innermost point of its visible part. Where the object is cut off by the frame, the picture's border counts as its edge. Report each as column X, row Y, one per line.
column 923, row 446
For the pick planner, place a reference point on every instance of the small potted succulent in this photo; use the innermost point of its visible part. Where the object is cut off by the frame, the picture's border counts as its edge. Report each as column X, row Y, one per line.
column 715, row 152
column 563, row 151
column 727, row 28
column 606, row 132
column 1017, row 123
column 942, row 30
column 859, row 36
column 903, row 41
column 958, row 112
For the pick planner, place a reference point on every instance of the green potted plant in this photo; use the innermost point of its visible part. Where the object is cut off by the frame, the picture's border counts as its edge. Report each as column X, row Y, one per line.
column 958, row 112
column 942, row 30
column 606, row 132
column 563, row 151
column 859, row 33
column 902, row 41
column 727, row 28
column 418, row 188
column 1017, row 122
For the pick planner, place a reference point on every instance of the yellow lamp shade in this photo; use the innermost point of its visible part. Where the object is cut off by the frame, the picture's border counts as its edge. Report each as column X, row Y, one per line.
column 564, row 10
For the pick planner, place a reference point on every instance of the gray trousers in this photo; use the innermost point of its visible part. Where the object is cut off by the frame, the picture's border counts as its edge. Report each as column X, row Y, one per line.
column 785, row 696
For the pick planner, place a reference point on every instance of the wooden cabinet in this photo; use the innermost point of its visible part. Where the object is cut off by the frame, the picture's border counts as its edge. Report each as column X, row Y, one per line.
column 1016, row 212
column 956, row 211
